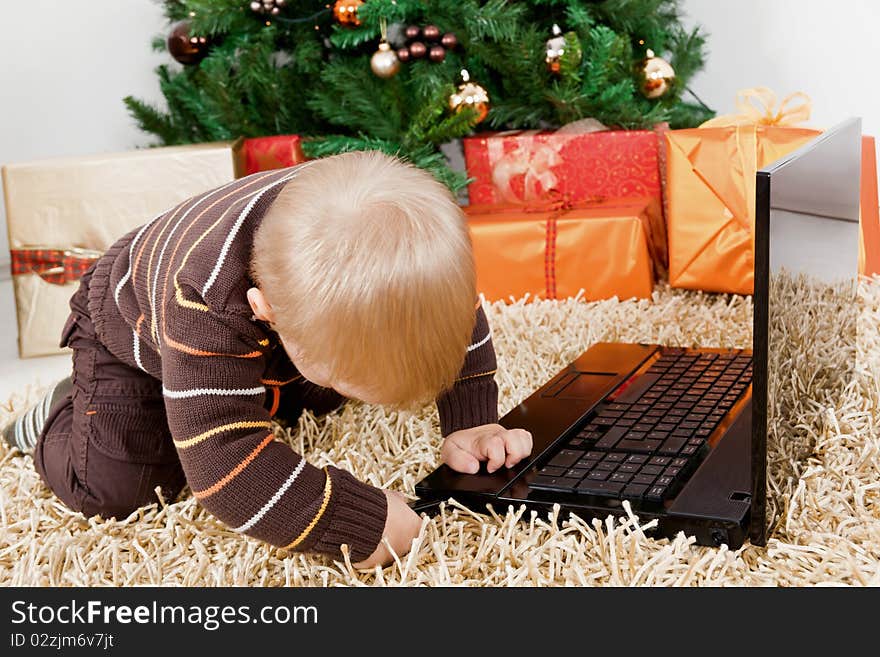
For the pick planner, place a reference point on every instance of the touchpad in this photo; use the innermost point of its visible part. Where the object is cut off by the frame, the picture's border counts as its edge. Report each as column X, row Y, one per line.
column 587, row 385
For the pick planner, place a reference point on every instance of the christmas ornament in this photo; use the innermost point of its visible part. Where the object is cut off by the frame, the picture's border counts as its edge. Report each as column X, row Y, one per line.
column 431, row 32
column 271, row 7
column 417, row 49
column 345, row 12
column 555, row 50
column 403, row 54
column 658, row 75
column 437, row 53
column 412, row 32
column 449, row 41
column 184, row 47
column 470, row 94
column 384, row 61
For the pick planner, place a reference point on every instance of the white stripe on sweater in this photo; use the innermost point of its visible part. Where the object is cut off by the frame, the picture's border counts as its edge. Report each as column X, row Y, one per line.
column 235, row 228
column 124, row 279
column 274, row 500
column 136, row 349
column 477, row 345
column 222, row 392
column 162, row 255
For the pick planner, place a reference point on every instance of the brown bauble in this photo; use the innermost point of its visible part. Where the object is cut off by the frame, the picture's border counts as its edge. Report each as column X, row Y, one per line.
column 403, row 54
column 346, row 12
column 417, row 49
column 437, row 53
column 412, row 32
column 431, row 32
column 449, row 41
column 185, row 48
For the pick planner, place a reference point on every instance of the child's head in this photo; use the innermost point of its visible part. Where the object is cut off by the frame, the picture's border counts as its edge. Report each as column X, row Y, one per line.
column 366, row 271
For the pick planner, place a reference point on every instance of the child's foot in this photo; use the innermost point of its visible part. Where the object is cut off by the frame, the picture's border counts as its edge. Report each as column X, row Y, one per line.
column 23, row 431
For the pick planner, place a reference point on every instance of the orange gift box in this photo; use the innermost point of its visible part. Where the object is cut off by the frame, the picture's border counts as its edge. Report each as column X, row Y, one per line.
column 869, row 244
column 710, row 196
column 553, row 250
column 267, row 153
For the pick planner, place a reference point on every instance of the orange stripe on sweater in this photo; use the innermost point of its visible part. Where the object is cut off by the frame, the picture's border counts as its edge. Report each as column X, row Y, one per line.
column 474, row 376
column 202, row 494
column 192, row 351
column 328, row 489
column 183, row 235
column 276, row 400
column 273, row 382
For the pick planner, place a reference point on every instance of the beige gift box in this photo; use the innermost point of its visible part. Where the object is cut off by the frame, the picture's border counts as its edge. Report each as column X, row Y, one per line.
column 79, row 206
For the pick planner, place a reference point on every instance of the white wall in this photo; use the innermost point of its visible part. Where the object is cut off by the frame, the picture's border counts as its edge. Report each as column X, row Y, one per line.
column 66, row 64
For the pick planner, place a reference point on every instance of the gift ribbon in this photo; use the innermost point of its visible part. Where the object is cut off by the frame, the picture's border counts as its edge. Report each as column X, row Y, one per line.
column 557, row 205
column 57, row 266
column 533, row 158
column 757, row 106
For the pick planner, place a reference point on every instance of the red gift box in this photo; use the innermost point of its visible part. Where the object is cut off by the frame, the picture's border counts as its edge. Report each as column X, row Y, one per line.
column 521, row 166
column 267, row 153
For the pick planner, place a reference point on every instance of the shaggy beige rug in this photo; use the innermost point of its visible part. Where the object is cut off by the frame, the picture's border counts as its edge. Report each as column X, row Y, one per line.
column 824, row 481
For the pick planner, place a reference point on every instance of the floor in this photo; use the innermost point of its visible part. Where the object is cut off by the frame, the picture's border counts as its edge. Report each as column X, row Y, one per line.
column 16, row 373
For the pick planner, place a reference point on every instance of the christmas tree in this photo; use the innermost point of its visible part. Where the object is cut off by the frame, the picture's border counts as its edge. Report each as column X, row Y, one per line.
column 388, row 74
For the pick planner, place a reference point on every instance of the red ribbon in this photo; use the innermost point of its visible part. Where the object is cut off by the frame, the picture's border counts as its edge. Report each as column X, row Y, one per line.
column 55, row 266
column 556, row 204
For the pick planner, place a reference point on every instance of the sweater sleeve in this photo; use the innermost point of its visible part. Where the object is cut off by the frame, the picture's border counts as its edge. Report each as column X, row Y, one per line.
column 212, row 367
column 473, row 399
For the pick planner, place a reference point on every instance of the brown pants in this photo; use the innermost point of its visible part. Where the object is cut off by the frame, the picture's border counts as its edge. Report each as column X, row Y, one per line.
column 106, row 445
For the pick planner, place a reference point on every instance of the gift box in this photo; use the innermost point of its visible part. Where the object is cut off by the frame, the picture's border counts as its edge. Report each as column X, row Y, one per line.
column 522, row 166
column 266, row 153
column 62, row 214
column 553, row 250
column 710, row 189
column 869, row 244
column 710, row 196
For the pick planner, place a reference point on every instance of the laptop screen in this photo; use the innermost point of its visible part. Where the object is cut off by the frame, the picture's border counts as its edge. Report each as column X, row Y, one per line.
column 806, row 269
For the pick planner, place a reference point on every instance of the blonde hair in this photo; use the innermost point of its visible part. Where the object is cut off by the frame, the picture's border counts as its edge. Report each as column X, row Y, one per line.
column 367, row 264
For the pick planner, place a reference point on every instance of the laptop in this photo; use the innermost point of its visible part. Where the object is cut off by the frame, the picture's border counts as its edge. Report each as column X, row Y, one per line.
column 682, row 433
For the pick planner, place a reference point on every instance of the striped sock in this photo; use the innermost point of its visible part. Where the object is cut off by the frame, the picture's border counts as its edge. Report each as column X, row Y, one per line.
column 26, row 429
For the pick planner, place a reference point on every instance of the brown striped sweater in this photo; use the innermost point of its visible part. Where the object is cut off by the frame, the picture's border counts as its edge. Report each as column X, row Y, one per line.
column 170, row 299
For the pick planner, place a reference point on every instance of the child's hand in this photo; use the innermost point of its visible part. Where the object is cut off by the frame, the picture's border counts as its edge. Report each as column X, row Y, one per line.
column 463, row 450
column 402, row 525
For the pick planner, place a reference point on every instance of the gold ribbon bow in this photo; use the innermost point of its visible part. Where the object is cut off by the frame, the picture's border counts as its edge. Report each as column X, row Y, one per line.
column 757, row 106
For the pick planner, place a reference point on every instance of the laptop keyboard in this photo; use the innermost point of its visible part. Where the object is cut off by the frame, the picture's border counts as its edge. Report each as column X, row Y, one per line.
column 646, row 441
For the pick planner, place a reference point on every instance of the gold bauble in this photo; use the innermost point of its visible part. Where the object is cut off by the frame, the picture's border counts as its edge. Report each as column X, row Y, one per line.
column 658, row 75
column 471, row 95
column 346, row 12
column 384, row 62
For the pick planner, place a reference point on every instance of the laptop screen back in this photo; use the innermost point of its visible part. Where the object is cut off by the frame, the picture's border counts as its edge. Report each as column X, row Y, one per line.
column 806, row 269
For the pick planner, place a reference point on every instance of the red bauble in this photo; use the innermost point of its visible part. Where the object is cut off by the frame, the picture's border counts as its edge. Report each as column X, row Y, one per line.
column 431, row 32
column 403, row 54
column 185, row 48
column 417, row 49
column 449, row 40
column 437, row 53
column 412, row 32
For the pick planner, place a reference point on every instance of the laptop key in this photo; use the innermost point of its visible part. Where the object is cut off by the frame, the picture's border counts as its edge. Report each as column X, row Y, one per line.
column 651, row 469
column 594, row 456
column 552, row 471
column 647, row 480
column 642, row 446
column 671, row 446
column 614, row 457
column 629, row 468
column 623, row 477
column 597, row 475
column 655, row 493
column 605, row 421
column 659, row 460
column 635, row 491
column 636, row 458
column 611, row 438
column 604, row 466
column 600, row 488
column 554, row 483
column 565, row 458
